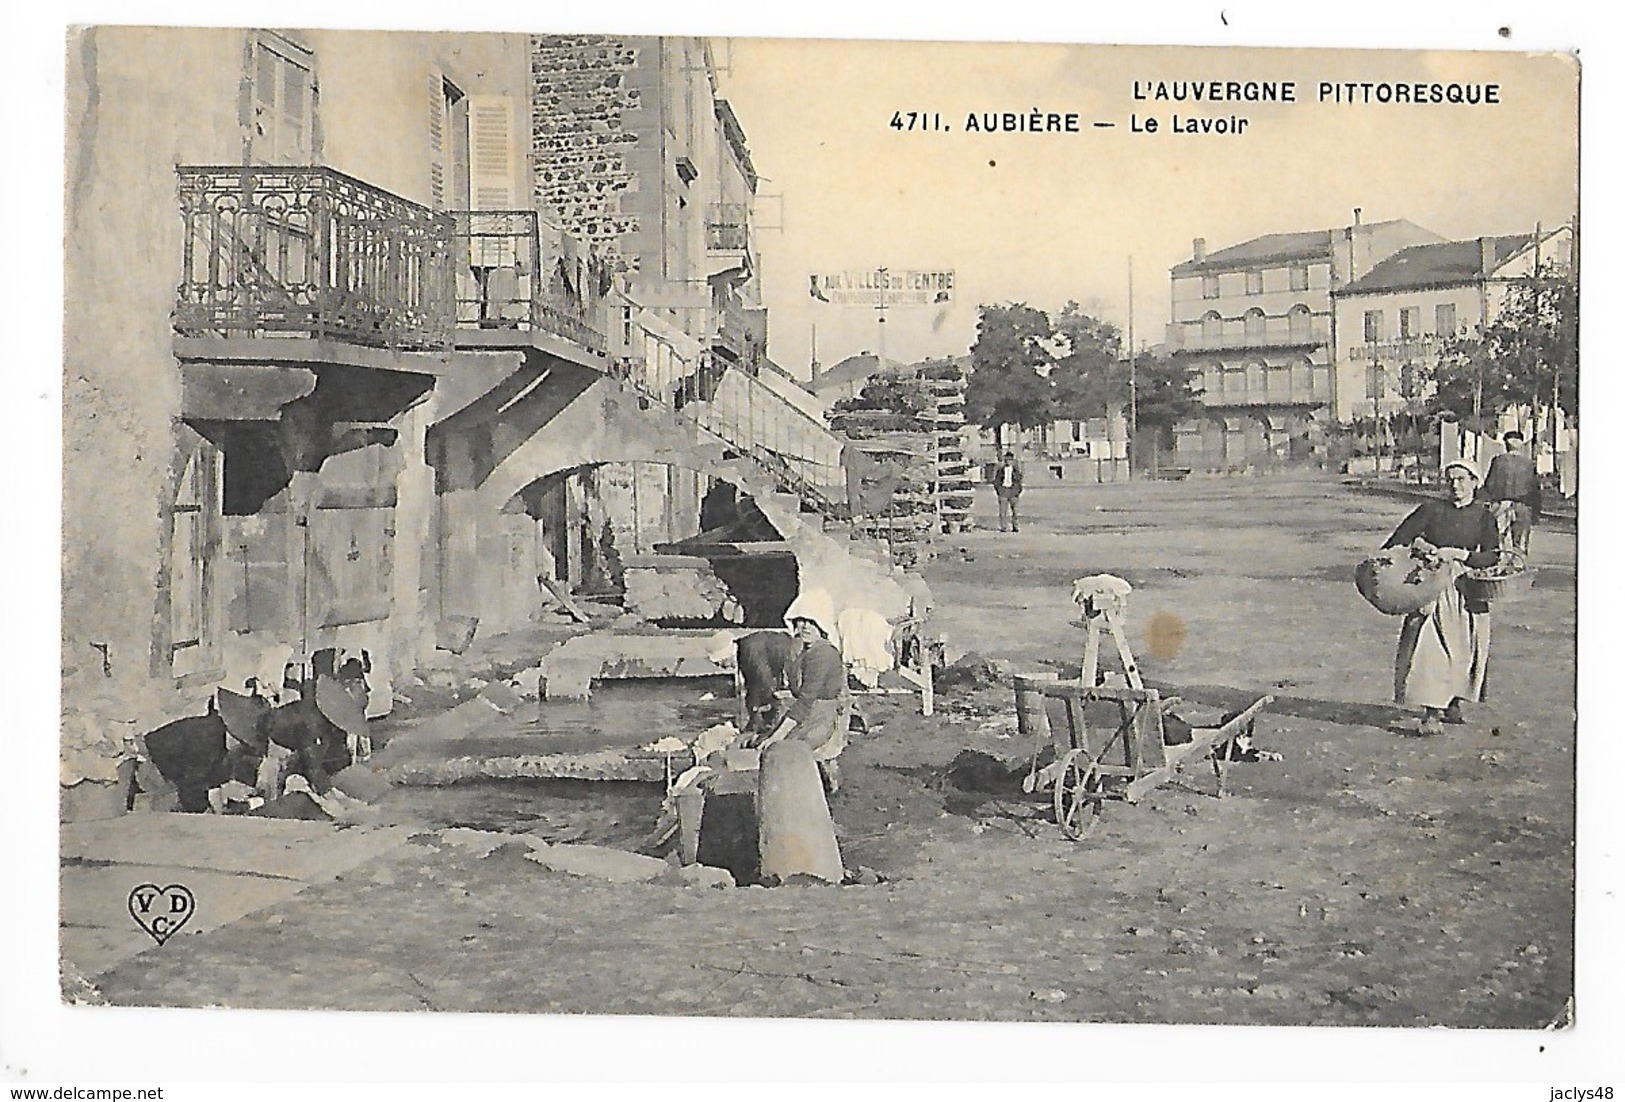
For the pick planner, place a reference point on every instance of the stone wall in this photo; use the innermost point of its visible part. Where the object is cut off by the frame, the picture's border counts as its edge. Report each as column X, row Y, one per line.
column 585, row 102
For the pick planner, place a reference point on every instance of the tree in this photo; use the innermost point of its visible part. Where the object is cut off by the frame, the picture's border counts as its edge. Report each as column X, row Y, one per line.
column 1006, row 383
column 1530, row 348
column 1165, row 395
column 1090, row 378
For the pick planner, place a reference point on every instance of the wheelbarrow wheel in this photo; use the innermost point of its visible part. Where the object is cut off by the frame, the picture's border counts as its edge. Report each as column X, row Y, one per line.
column 1079, row 795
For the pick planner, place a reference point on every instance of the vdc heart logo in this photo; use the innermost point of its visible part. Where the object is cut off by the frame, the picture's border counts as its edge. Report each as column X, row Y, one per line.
column 161, row 911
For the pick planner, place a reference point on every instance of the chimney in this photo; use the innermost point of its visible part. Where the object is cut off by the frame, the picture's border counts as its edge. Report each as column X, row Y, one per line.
column 1486, row 255
column 1199, row 248
column 1356, row 216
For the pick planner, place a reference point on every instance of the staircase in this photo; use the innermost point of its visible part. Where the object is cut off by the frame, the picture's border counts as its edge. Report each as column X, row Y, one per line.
column 788, row 462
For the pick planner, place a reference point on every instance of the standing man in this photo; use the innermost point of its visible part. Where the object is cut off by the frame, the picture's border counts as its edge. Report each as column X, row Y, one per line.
column 1007, row 487
column 1512, row 491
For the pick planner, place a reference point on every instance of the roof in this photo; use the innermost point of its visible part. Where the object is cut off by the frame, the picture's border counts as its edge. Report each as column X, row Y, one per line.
column 1272, row 246
column 1307, row 245
column 1439, row 265
column 853, row 369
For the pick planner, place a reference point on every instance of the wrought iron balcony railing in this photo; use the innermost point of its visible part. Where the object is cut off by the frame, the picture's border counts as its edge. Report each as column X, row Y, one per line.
column 505, row 281
column 1189, row 338
column 311, row 252
column 1298, row 395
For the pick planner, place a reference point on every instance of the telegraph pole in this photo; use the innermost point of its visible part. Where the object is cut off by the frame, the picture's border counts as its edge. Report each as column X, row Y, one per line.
column 1133, row 381
column 880, row 310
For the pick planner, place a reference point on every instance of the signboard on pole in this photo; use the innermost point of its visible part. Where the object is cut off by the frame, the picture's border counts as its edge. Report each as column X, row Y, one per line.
column 883, row 287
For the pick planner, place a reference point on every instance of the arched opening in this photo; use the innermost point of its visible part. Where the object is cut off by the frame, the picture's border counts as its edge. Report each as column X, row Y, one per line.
column 671, row 545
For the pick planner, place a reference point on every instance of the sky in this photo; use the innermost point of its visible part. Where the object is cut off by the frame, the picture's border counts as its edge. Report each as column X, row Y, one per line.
column 1044, row 218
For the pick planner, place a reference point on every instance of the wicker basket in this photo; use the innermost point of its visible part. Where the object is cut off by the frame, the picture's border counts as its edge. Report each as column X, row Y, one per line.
column 1396, row 583
column 1487, row 583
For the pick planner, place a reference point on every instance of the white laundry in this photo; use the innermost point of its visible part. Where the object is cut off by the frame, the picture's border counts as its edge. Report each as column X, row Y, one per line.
column 866, row 638
column 712, row 739
column 1101, row 592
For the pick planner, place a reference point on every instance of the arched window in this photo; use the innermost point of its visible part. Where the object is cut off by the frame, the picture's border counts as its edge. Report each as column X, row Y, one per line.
column 1303, row 375
column 1298, row 322
column 1253, row 324
column 1212, row 325
column 1255, row 376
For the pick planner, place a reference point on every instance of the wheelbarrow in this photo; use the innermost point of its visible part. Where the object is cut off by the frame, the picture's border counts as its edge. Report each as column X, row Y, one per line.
column 1109, row 744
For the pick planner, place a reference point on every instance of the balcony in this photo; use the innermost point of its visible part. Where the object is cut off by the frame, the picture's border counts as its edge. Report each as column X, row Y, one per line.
column 1319, row 394
column 727, row 228
column 1189, row 338
column 310, row 252
column 505, row 280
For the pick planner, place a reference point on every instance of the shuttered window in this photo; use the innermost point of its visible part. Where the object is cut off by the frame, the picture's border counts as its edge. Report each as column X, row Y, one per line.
column 491, row 129
column 448, row 144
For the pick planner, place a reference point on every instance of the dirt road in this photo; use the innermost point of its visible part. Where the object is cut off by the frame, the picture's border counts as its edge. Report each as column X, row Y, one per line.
column 1369, row 877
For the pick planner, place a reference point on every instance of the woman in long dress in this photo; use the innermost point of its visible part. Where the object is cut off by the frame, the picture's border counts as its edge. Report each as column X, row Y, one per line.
column 1444, row 648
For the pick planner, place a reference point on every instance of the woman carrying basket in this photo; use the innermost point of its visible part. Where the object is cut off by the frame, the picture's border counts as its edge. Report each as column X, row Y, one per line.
column 1444, row 647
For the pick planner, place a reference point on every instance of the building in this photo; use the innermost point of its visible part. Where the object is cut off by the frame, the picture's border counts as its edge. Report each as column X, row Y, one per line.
column 262, row 300
column 1254, row 322
column 1095, row 448
column 1393, row 321
column 335, row 376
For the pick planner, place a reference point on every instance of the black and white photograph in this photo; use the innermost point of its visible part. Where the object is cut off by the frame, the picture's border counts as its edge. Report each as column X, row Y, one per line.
column 572, row 527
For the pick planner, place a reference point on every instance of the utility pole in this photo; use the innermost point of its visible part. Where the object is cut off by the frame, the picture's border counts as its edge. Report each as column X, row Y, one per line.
column 1133, row 381
column 1557, row 369
column 880, row 310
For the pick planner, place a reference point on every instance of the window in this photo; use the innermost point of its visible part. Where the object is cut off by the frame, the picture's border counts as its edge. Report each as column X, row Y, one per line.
column 1408, row 382
column 1255, row 378
column 1212, row 325
column 1444, row 319
column 1298, row 323
column 1303, row 376
column 1298, row 277
column 284, row 102
column 1376, row 381
column 1253, row 324
column 1255, row 283
column 1373, row 326
column 1210, row 286
column 1410, row 322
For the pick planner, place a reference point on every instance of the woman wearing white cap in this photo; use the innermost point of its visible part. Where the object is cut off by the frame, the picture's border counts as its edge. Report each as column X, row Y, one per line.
column 816, row 675
column 1444, row 648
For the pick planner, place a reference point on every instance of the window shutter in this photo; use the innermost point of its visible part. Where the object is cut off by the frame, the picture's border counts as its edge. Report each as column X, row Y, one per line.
column 491, row 123
column 437, row 139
